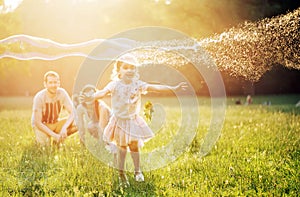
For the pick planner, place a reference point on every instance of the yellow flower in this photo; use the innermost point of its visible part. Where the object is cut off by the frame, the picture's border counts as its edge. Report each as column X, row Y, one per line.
column 148, row 110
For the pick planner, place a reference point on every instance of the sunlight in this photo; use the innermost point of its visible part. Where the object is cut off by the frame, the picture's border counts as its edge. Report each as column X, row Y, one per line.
column 9, row 6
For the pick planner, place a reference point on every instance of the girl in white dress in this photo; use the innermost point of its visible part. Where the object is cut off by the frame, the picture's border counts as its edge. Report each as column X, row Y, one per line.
column 126, row 128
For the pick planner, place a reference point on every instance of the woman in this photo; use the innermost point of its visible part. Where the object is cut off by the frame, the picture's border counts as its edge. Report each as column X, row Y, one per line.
column 93, row 112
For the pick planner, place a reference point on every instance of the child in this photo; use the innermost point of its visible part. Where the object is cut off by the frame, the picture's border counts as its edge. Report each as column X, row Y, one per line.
column 126, row 128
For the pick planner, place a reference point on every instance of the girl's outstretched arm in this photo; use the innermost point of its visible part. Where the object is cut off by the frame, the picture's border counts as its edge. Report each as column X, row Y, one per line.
column 155, row 87
column 97, row 95
column 101, row 93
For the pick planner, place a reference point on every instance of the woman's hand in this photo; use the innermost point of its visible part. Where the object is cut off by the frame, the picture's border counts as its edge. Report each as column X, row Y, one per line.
column 85, row 98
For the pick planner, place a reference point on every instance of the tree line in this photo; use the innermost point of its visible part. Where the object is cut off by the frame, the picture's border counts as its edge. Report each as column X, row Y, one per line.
column 68, row 21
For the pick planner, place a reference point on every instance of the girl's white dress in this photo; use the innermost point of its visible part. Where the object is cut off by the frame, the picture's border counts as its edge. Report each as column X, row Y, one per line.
column 125, row 124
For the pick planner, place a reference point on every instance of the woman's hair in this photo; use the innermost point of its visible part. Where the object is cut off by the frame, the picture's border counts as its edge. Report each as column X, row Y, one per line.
column 94, row 102
column 84, row 90
column 127, row 58
column 88, row 87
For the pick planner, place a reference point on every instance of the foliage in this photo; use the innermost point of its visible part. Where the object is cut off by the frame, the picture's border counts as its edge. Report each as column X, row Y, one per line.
column 67, row 21
column 195, row 18
column 257, row 155
column 10, row 24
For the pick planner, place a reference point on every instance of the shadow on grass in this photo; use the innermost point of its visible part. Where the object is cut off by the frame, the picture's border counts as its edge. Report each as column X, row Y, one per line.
column 33, row 170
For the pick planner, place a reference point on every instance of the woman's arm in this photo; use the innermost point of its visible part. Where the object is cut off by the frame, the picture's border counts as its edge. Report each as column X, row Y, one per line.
column 80, row 112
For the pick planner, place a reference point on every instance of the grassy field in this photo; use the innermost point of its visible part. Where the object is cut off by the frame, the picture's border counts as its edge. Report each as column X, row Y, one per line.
column 258, row 154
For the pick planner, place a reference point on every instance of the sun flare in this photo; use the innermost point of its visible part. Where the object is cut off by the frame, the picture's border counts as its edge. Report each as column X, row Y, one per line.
column 9, row 5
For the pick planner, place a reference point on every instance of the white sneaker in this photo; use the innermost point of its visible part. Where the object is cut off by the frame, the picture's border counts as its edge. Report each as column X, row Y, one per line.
column 139, row 177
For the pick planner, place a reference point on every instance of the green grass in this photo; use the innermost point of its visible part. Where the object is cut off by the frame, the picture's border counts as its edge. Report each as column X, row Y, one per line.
column 258, row 154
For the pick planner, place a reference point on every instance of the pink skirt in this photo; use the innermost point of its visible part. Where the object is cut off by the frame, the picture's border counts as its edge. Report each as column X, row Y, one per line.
column 125, row 131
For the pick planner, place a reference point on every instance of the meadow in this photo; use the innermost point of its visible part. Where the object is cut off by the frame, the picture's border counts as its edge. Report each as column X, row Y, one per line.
column 257, row 154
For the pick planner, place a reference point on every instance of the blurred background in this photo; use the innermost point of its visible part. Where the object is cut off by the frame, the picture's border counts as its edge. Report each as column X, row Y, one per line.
column 74, row 21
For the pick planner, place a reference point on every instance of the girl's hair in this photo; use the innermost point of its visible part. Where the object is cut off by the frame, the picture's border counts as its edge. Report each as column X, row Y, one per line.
column 124, row 59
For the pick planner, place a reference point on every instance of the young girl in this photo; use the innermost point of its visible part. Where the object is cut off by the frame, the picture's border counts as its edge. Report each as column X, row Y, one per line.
column 126, row 128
